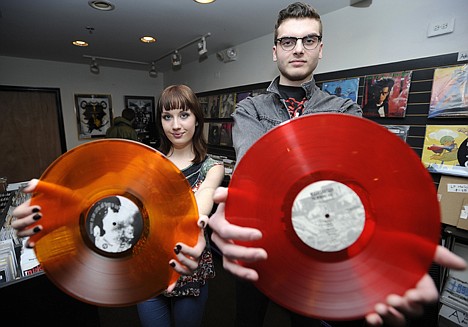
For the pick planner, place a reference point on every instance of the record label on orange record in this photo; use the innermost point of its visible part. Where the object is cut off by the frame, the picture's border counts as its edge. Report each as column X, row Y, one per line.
column 348, row 214
column 111, row 222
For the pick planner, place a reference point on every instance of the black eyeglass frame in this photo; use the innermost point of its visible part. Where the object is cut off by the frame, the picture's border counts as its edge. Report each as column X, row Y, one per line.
column 280, row 39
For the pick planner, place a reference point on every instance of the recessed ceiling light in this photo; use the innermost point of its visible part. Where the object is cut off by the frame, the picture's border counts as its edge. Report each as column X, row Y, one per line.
column 147, row 39
column 80, row 43
column 204, row 1
column 101, row 5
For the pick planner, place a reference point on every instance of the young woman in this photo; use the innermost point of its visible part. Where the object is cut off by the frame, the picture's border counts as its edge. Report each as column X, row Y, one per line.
column 180, row 122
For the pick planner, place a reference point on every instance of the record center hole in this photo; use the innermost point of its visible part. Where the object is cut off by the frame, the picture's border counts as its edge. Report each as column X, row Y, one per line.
column 327, row 215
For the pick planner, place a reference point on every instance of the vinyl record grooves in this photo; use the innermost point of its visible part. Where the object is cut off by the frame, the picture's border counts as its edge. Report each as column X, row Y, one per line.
column 348, row 214
column 113, row 211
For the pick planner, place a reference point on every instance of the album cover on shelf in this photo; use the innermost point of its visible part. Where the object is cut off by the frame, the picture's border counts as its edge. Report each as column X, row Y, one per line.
column 213, row 105
column 449, row 95
column 445, row 149
column 204, row 106
column 227, row 105
column 226, row 134
column 386, row 95
column 399, row 130
column 214, row 133
column 344, row 88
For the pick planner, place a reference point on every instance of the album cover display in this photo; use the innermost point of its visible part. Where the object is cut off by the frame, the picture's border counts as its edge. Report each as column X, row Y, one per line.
column 445, row 149
column 344, row 88
column 386, row 95
column 449, row 95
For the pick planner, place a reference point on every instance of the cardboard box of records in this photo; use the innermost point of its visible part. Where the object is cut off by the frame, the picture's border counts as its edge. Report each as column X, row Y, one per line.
column 453, row 197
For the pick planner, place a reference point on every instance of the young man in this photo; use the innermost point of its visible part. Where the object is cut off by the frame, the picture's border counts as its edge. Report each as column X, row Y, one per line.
column 297, row 49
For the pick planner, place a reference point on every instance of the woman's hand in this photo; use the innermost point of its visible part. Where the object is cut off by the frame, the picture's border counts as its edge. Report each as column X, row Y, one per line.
column 187, row 256
column 27, row 215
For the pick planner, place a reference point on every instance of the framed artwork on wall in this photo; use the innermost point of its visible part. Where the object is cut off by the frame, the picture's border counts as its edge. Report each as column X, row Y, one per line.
column 93, row 114
column 144, row 107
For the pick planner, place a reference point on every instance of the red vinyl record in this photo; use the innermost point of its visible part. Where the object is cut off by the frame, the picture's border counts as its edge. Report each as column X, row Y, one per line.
column 347, row 211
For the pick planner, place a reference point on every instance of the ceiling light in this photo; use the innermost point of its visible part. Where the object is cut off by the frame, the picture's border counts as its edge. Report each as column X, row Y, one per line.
column 204, row 1
column 176, row 59
column 94, row 67
column 101, row 5
column 153, row 72
column 147, row 39
column 79, row 43
column 202, row 47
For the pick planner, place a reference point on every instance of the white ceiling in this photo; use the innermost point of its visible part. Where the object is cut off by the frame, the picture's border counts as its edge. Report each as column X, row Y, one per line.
column 44, row 29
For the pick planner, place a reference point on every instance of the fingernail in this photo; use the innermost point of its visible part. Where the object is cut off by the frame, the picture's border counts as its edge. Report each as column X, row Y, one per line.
column 37, row 217
column 36, row 229
column 34, row 210
column 172, row 264
column 202, row 223
column 177, row 249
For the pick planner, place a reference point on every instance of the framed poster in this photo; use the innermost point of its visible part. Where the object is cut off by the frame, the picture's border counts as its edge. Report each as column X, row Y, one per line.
column 144, row 107
column 93, row 114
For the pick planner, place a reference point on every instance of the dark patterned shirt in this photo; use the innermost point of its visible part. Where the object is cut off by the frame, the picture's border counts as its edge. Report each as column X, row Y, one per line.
column 190, row 285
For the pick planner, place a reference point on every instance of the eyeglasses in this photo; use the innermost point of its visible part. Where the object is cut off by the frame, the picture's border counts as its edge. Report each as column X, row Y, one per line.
column 309, row 42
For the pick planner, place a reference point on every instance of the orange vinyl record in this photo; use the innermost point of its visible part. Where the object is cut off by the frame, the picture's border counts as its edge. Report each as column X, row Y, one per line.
column 347, row 211
column 113, row 211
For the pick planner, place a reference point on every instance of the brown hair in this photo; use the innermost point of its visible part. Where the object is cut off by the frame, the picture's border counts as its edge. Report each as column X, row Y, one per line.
column 297, row 10
column 182, row 97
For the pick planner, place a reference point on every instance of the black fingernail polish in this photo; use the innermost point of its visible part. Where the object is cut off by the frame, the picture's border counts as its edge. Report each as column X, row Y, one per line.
column 36, row 229
column 37, row 217
column 172, row 264
column 34, row 210
column 177, row 249
column 202, row 223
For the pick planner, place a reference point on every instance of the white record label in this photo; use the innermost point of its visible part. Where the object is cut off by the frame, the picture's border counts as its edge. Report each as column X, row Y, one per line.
column 328, row 216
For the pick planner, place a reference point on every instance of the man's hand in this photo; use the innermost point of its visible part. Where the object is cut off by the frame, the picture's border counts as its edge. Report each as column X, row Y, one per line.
column 224, row 234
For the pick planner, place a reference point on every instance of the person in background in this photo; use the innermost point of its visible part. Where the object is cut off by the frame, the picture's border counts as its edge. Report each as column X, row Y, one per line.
column 297, row 49
column 180, row 121
column 122, row 127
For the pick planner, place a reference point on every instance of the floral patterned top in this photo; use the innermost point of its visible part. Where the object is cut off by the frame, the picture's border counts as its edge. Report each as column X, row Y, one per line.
column 190, row 285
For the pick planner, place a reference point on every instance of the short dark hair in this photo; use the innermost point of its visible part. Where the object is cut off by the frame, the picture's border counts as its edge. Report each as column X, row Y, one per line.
column 128, row 114
column 297, row 10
